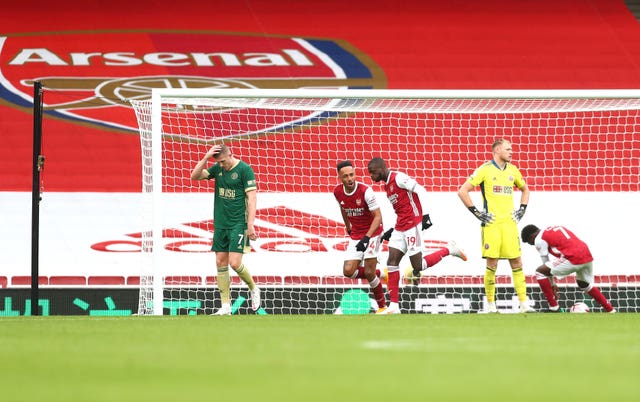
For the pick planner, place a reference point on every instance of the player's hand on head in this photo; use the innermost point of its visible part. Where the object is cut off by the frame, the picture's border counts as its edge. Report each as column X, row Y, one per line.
column 363, row 244
column 426, row 222
column 214, row 150
column 387, row 235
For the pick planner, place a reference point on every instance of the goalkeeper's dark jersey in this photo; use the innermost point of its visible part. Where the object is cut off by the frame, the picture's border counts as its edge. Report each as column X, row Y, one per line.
column 230, row 202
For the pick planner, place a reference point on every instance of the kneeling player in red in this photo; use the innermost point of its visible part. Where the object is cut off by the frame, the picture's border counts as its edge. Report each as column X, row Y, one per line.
column 572, row 255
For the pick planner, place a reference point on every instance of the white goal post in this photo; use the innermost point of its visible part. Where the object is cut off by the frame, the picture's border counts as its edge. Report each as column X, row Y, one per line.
column 579, row 151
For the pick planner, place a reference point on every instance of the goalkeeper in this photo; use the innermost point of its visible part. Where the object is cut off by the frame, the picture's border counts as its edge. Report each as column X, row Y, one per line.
column 363, row 222
column 233, row 215
column 570, row 255
column 403, row 193
column 497, row 179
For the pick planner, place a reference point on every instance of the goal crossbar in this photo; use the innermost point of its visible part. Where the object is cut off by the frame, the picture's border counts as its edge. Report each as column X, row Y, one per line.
column 399, row 93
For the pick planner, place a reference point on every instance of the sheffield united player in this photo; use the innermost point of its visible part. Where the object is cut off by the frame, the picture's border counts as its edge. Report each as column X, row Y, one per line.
column 571, row 255
column 405, row 195
column 363, row 222
column 498, row 179
column 233, row 214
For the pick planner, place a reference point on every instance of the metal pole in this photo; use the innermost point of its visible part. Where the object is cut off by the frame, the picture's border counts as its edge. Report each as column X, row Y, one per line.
column 38, row 162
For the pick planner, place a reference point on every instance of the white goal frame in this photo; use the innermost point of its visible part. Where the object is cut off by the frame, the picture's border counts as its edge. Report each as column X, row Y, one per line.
column 158, row 95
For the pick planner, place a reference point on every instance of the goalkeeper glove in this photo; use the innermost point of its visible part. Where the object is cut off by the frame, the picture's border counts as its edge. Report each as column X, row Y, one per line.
column 363, row 244
column 519, row 213
column 387, row 235
column 426, row 222
column 484, row 217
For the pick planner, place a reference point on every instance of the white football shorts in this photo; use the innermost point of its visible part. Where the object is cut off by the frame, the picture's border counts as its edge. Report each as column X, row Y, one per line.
column 409, row 241
column 372, row 251
column 562, row 267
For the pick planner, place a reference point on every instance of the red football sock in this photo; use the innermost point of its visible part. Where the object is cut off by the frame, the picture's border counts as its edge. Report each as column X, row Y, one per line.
column 435, row 257
column 359, row 274
column 545, row 285
column 394, row 286
column 599, row 297
column 378, row 294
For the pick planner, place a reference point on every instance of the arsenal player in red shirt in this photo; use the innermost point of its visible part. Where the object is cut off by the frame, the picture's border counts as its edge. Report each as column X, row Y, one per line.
column 570, row 255
column 405, row 195
column 363, row 222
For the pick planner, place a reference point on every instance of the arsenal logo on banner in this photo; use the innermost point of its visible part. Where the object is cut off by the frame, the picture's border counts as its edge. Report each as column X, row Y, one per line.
column 92, row 76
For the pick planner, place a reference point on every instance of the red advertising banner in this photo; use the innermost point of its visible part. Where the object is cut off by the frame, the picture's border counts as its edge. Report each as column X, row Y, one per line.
column 95, row 55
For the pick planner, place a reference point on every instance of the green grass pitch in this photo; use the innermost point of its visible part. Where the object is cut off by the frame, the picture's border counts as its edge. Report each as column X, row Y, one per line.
column 534, row 357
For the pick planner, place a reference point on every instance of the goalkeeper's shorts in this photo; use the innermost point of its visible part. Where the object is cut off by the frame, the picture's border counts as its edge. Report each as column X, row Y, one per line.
column 501, row 240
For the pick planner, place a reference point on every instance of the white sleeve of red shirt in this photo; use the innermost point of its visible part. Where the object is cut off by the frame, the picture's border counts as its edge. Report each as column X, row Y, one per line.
column 542, row 247
column 410, row 184
column 371, row 200
column 406, row 182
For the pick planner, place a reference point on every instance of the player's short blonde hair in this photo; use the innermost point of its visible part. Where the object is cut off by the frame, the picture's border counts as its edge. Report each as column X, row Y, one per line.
column 498, row 143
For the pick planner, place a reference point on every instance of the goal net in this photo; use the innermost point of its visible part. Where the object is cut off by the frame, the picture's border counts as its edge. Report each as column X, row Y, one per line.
column 579, row 152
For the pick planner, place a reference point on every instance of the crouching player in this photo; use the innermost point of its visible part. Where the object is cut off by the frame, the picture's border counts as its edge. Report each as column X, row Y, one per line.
column 571, row 255
column 363, row 222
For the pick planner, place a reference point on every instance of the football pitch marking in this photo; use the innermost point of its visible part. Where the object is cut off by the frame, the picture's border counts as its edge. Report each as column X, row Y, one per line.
column 394, row 345
column 426, row 345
